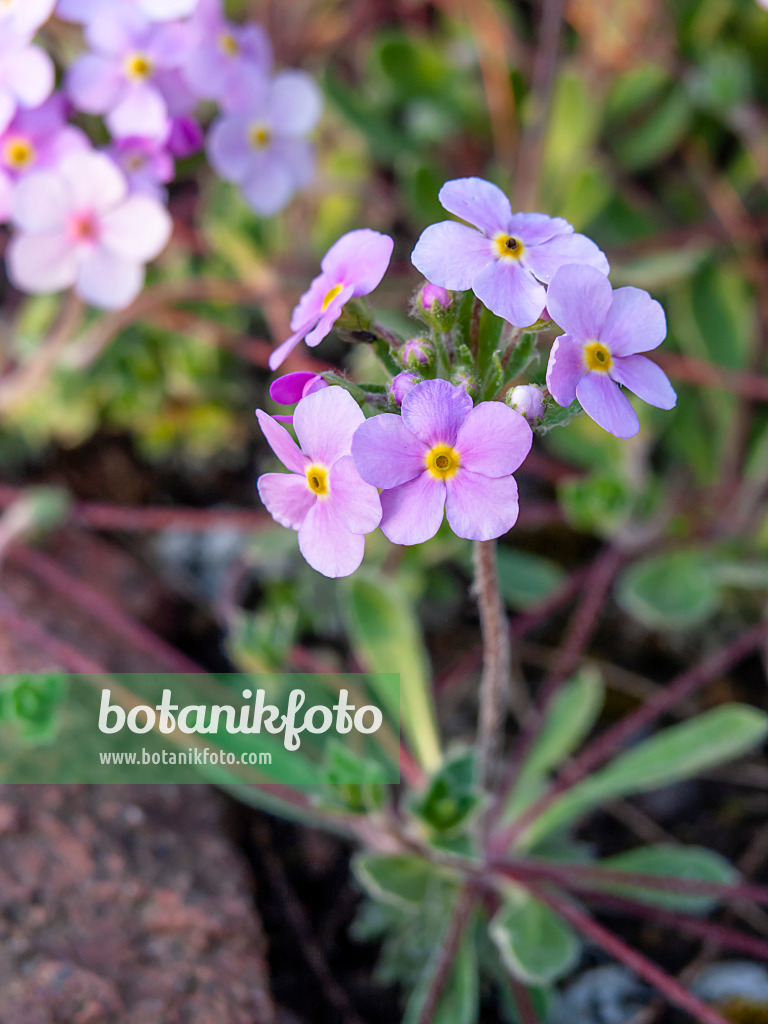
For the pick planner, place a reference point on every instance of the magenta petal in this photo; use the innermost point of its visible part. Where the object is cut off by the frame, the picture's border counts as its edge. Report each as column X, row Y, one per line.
column 359, row 258
column 289, row 389
column 578, row 299
column 546, row 259
column 635, row 323
column 566, row 368
column 325, row 423
column 603, row 400
column 478, row 202
column 327, row 544
column 493, row 440
column 434, row 410
column 287, row 498
column 282, row 444
column 479, row 507
column 646, row 379
column 386, row 453
column 511, row 292
column 412, row 512
column 451, row 255
column 355, row 501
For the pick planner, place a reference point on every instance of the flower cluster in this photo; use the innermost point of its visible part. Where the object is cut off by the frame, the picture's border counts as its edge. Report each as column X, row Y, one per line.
column 444, row 437
column 146, row 67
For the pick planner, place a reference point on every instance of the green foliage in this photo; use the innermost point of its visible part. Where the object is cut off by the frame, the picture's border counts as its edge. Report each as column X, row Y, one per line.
column 451, row 800
column 672, row 591
column 688, row 862
column 31, row 703
column 525, row 578
column 536, row 945
column 459, row 1001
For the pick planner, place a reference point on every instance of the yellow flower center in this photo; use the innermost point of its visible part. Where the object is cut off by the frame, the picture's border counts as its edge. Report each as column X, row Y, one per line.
column 229, row 44
column 442, row 461
column 331, row 294
column 139, row 67
column 261, row 136
column 509, row 247
column 19, row 153
column 598, row 357
column 317, row 480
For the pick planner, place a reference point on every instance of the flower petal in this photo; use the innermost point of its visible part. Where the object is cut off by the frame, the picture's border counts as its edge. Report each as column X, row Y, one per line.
column 229, row 151
column 107, row 280
column 578, row 300
column 30, row 75
column 142, row 111
column 603, row 400
column 412, row 512
column 325, row 324
column 282, row 444
column 451, row 255
column 269, row 184
column 325, row 423
column 478, row 202
column 355, row 501
column 295, row 103
column 493, row 440
column 386, row 453
column 359, row 258
column 537, row 228
column 327, row 544
column 7, row 106
column 284, row 349
column 289, row 389
column 646, row 379
column 138, row 229
column 479, row 507
column 434, row 410
column 94, row 83
column 287, row 498
column 40, row 202
column 510, row 291
column 546, row 259
column 565, row 369
column 635, row 323
column 44, row 262
column 94, row 181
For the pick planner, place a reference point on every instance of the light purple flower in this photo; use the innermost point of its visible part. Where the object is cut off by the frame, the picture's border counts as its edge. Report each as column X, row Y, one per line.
column 264, row 149
column 323, row 497
column 119, row 77
column 78, row 227
column 26, row 71
column 604, row 332
column 443, row 455
column 35, row 140
column 528, row 400
column 146, row 164
column 508, row 260
column 400, row 385
column 353, row 266
column 292, row 387
column 228, row 62
column 83, row 11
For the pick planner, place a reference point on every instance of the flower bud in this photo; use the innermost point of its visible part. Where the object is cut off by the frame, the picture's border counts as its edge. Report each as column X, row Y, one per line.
column 416, row 352
column 400, row 385
column 292, row 387
column 436, row 306
column 528, row 400
column 465, row 380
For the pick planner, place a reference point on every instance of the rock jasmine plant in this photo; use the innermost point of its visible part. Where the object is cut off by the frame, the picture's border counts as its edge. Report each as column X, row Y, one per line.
column 475, row 878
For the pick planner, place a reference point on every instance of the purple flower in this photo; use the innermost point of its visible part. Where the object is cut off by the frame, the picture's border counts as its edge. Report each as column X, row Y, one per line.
column 323, row 496
column 510, row 258
column 292, row 387
column 228, row 62
column 79, row 228
column 528, row 400
column 146, row 164
column 119, row 77
column 605, row 331
column 26, row 71
column 443, row 455
column 83, row 11
column 33, row 141
column 263, row 149
column 353, row 266
column 400, row 385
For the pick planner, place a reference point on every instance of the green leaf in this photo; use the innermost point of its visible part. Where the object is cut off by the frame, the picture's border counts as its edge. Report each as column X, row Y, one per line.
column 451, row 798
column 676, row 590
column 459, row 1003
column 523, row 354
column 386, row 637
column 677, row 753
column 536, row 945
column 525, row 578
column 689, row 862
column 399, row 880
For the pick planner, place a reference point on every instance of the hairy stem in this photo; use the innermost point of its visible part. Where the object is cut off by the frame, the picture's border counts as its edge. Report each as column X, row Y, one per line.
column 494, row 685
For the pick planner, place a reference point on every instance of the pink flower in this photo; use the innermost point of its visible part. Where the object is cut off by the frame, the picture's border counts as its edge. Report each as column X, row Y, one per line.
column 26, row 71
column 121, row 76
column 605, row 331
column 146, row 164
column 292, row 387
column 443, row 455
column 322, row 497
column 35, row 140
column 84, row 11
column 507, row 258
column 78, row 227
column 263, row 147
column 353, row 266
